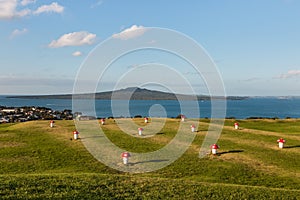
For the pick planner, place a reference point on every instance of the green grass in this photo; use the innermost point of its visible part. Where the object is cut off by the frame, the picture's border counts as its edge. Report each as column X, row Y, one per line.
column 291, row 126
column 38, row 162
column 98, row 186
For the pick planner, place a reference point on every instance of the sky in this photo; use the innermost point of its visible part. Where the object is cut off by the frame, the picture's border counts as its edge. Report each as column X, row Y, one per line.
column 254, row 45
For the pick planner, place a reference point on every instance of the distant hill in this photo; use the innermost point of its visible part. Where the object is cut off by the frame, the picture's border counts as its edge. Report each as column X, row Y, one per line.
column 132, row 93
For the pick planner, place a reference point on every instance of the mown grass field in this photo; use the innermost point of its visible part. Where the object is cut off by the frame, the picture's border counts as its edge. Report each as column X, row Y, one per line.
column 39, row 162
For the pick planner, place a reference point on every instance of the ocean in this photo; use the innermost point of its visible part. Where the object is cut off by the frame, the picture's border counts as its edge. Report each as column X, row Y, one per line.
column 265, row 107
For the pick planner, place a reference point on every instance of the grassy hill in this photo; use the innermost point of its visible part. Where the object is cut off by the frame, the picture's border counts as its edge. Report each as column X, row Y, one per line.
column 39, row 162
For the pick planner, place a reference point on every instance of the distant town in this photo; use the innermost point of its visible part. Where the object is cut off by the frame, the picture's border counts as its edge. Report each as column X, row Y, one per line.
column 28, row 113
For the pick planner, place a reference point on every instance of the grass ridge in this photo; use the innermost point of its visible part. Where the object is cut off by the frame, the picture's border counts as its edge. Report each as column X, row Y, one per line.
column 51, row 165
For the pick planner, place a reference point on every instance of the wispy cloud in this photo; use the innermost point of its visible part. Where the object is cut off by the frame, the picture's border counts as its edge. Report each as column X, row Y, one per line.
column 74, row 39
column 18, row 32
column 289, row 74
column 132, row 32
column 98, row 3
column 251, row 79
column 191, row 73
column 53, row 7
column 35, row 85
column 26, row 2
column 77, row 53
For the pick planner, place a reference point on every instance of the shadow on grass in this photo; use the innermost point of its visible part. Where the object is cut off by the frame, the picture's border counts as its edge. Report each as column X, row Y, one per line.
column 141, row 162
column 231, row 151
column 290, row 147
column 74, row 139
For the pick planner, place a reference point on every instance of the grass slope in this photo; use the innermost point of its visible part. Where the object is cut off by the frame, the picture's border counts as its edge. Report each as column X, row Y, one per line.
column 39, row 162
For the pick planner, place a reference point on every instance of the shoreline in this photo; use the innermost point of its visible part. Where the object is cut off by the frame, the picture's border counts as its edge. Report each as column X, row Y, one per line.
column 29, row 113
column 253, row 108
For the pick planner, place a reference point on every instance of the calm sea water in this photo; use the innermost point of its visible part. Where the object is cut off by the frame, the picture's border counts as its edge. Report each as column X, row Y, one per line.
column 240, row 109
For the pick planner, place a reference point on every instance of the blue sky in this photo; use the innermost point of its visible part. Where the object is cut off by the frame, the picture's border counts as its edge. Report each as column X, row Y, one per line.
column 254, row 44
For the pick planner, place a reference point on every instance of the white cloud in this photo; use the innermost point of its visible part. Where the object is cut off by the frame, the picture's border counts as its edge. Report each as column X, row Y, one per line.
column 290, row 74
column 18, row 32
column 74, row 39
column 26, row 2
column 77, row 53
column 54, row 7
column 8, row 10
column 132, row 32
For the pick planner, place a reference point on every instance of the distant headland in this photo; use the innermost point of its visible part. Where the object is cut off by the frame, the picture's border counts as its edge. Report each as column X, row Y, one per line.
column 133, row 93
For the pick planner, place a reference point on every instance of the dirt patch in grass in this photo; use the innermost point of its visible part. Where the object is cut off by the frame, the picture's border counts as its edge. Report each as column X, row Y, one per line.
column 4, row 135
column 11, row 144
column 258, row 165
column 20, row 159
